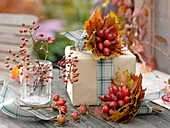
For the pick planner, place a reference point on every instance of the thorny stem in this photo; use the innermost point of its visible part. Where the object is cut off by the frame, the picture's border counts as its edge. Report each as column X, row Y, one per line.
column 46, row 50
column 34, row 49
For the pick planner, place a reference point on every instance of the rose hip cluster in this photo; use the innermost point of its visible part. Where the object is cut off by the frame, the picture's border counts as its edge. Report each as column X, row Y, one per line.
column 105, row 40
column 23, row 56
column 60, row 105
column 69, row 73
column 117, row 97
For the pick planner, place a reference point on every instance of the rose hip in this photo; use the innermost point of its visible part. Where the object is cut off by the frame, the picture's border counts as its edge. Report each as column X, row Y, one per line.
column 82, row 109
column 100, row 47
column 107, row 43
column 60, row 102
column 63, row 109
column 61, row 118
column 127, row 99
column 126, row 92
column 120, row 103
column 112, row 104
column 106, row 108
column 56, row 97
column 100, row 33
column 98, row 39
column 107, row 51
column 75, row 115
column 115, row 89
column 119, row 95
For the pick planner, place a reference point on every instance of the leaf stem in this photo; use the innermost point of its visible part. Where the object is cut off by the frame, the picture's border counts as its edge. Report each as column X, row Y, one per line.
column 157, row 48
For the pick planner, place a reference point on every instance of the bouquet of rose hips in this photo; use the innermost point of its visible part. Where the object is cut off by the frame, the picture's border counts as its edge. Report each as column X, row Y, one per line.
column 123, row 100
column 103, row 36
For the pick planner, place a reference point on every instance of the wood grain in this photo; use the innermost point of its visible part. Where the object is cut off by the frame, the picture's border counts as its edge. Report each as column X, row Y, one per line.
column 153, row 120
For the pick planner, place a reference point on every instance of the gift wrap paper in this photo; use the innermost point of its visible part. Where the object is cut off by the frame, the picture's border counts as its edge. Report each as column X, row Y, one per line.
column 94, row 78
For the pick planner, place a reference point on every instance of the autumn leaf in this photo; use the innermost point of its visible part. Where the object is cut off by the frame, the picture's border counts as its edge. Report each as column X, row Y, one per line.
column 97, row 111
column 169, row 81
column 129, row 110
column 121, row 10
column 142, row 20
column 153, row 64
column 145, row 12
column 15, row 74
column 144, row 68
column 160, row 39
column 122, row 77
column 136, row 46
column 94, row 25
column 110, row 20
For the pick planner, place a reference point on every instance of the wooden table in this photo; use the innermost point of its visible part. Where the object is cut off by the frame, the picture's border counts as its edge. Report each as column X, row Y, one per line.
column 140, row 121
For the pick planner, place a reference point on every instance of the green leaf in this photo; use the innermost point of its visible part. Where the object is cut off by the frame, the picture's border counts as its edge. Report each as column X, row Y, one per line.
column 160, row 39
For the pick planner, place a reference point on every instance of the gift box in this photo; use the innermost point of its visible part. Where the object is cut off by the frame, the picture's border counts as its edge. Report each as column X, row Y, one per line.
column 94, row 78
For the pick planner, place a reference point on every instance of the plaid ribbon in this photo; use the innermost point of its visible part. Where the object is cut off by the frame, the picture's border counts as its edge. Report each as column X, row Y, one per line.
column 104, row 73
column 78, row 37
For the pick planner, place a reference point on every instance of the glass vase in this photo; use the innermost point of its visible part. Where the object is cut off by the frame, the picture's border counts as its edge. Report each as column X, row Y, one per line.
column 35, row 83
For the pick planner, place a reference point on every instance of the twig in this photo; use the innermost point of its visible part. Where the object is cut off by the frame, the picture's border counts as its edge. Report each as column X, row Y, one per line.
column 142, row 5
column 159, row 77
column 32, row 106
column 160, row 50
column 140, row 57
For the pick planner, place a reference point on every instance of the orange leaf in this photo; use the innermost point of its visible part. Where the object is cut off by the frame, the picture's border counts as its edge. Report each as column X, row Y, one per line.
column 121, row 10
column 144, row 68
column 95, row 23
column 15, row 73
column 137, row 47
column 145, row 12
column 110, row 20
column 153, row 64
column 97, row 111
column 169, row 81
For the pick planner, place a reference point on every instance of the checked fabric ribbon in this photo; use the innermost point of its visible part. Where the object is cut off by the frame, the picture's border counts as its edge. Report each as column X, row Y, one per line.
column 9, row 105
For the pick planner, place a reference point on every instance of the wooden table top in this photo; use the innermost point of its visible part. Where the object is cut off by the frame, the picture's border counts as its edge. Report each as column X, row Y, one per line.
column 140, row 121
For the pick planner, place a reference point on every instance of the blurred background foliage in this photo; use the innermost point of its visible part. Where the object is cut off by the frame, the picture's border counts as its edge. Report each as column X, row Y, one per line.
column 72, row 12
